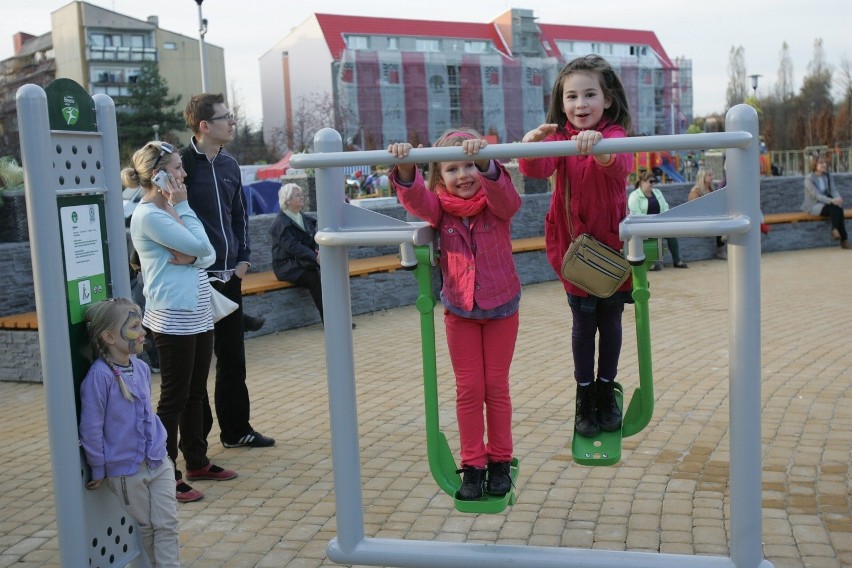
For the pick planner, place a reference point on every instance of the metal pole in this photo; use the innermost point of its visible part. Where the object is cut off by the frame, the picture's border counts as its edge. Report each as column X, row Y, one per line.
column 339, row 351
column 202, row 31
column 744, row 343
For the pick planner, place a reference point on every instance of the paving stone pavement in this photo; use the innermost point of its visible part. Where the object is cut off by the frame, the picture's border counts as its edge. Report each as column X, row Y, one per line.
column 668, row 494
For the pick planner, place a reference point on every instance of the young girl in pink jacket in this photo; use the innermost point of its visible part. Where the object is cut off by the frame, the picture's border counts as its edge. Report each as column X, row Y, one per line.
column 588, row 104
column 471, row 203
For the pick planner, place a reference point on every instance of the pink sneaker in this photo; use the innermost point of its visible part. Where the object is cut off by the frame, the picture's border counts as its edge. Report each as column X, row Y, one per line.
column 210, row 471
column 186, row 494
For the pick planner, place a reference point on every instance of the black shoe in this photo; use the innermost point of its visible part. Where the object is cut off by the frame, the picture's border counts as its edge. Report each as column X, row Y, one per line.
column 472, row 485
column 609, row 415
column 681, row 264
column 586, row 420
column 253, row 439
column 499, row 481
column 251, row 323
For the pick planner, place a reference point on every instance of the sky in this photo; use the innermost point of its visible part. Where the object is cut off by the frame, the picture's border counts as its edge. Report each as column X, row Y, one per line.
column 702, row 31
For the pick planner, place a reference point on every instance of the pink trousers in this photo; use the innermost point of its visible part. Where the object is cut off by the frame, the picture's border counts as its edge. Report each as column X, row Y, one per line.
column 481, row 352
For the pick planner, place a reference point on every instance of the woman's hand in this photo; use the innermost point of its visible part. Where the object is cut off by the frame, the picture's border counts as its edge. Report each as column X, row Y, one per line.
column 473, row 146
column 180, row 258
column 837, row 201
column 177, row 191
column 94, row 484
column 540, row 133
column 401, row 150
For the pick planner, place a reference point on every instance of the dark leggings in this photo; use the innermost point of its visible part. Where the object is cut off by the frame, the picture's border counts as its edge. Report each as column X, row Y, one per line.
column 606, row 321
column 835, row 212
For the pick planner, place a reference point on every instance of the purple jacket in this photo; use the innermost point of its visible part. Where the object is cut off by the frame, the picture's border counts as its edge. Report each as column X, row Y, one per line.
column 117, row 434
column 476, row 261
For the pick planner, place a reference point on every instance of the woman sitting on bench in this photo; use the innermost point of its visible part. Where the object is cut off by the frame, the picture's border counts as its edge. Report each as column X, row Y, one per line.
column 295, row 254
column 823, row 199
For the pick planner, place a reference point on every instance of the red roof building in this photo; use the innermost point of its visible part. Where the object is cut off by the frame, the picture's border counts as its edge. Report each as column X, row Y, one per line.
column 381, row 80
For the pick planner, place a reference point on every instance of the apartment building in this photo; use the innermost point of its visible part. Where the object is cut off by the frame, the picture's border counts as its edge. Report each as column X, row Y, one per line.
column 102, row 51
column 395, row 79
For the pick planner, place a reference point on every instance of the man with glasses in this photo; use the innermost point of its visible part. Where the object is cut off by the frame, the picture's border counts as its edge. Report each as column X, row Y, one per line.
column 215, row 193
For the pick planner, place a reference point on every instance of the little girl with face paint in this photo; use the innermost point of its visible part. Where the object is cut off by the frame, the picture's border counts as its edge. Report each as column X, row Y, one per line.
column 124, row 440
column 470, row 203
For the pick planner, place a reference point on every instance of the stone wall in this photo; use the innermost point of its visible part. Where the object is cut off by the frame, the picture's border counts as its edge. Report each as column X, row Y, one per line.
column 292, row 307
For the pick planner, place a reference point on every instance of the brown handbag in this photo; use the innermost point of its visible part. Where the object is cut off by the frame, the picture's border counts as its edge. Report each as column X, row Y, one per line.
column 591, row 265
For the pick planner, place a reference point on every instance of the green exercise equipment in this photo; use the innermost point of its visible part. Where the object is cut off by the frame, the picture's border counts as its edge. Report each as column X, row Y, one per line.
column 442, row 464
column 605, row 448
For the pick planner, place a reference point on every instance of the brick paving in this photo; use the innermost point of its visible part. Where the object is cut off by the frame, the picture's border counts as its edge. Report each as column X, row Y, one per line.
column 668, row 494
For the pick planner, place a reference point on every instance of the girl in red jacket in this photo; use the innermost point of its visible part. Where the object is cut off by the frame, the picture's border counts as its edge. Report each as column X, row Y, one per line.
column 588, row 104
column 471, row 204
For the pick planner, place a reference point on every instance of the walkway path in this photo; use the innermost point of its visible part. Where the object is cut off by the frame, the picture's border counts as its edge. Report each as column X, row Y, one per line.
column 669, row 493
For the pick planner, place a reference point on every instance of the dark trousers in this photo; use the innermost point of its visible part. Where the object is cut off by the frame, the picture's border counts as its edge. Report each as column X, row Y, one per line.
column 185, row 365
column 835, row 213
column 231, row 397
column 310, row 279
column 674, row 249
column 605, row 321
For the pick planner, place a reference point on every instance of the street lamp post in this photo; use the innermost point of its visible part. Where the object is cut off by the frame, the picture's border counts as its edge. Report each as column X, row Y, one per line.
column 754, row 79
column 202, row 31
column 156, row 129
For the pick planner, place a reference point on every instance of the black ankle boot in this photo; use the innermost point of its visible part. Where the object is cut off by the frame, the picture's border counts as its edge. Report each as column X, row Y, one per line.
column 586, row 420
column 609, row 415
column 473, row 482
column 499, row 479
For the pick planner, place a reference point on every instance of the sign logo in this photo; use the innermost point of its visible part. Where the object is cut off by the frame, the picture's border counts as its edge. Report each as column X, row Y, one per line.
column 347, row 73
column 74, row 217
column 70, row 112
column 390, row 71
column 492, row 75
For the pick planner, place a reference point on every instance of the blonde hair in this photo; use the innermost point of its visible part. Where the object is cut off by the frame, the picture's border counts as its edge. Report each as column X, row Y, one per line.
column 142, row 170
column 701, row 185
column 451, row 137
column 103, row 316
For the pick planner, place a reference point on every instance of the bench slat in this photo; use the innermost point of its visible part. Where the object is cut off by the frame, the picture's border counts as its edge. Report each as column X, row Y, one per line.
column 797, row 216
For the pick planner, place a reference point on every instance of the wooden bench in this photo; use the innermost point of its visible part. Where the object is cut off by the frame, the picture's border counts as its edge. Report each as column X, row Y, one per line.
column 26, row 320
column 798, row 216
column 261, row 282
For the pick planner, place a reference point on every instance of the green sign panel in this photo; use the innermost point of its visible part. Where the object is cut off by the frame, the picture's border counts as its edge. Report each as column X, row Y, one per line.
column 70, row 107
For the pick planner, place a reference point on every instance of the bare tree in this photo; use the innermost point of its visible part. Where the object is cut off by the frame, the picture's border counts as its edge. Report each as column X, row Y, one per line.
column 815, row 106
column 311, row 113
column 737, row 89
column 843, row 118
column 784, row 87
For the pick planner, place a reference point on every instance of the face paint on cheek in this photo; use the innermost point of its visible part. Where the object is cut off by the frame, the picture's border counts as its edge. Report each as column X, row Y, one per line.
column 132, row 332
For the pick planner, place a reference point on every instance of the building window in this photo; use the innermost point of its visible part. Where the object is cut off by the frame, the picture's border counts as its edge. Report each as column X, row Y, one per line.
column 475, row 46
column 393, row 43
column 454, row 88
column 137, row 41
column 357, row 42
column 170, row 45
column 427, row 45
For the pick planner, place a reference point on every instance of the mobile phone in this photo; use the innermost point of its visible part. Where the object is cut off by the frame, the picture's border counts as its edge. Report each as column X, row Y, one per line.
column 161, row 179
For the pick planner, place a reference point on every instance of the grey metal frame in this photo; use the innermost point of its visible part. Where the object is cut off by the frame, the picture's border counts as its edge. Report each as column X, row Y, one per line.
column 105, row 529
column 733, row 210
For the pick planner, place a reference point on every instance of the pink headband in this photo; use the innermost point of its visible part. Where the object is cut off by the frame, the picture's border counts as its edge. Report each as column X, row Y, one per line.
column 459, row 134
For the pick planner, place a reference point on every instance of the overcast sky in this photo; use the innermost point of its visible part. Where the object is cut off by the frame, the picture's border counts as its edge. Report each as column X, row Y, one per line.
column 702, row 31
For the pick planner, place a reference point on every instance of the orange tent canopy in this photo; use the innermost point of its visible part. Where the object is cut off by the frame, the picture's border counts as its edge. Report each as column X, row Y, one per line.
column 276, row 170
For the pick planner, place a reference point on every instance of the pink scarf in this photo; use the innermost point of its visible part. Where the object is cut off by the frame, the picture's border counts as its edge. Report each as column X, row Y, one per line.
column 460, row 207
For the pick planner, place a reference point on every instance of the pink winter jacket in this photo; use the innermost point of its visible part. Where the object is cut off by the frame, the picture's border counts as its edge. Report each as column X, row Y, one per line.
column 476, row 260
column 598, row 198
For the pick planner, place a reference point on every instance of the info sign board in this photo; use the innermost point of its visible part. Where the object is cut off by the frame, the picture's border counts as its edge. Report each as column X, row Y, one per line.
column 82, row 245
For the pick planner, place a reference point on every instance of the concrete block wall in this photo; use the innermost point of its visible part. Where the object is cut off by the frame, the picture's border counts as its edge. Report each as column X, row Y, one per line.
column 292, row 307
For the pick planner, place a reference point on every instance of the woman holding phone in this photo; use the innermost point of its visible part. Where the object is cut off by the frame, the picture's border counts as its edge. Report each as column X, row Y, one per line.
column 174, row 251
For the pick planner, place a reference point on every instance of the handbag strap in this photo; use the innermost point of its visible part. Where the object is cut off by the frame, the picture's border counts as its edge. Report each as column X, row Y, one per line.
column 568, row 205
